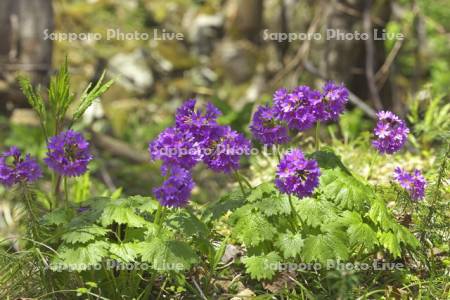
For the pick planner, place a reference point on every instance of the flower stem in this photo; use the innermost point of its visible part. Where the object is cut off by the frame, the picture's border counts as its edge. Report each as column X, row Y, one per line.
column 238, row 178
column 33, row 218
column 66, row 192
column 317, row 136
column 293, row 212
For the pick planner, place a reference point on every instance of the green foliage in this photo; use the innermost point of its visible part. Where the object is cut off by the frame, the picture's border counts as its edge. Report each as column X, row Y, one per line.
column 290, row 244
column 263, row 266
column 83, row 235
column 167, row 255
column 60, row 98
column 90, row 94
column 326, row 246
column 34, row 98
column 345, row 214
column 252, row 227
column 81, row 257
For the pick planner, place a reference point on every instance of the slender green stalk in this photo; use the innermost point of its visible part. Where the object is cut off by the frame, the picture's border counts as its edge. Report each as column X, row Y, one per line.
column 66, row 192
column 238, row 178
column 294, row 216
column 317, row 136
column 28, row 204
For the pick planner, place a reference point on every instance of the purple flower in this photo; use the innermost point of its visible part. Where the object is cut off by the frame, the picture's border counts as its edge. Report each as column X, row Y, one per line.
column 176, row 190
column 331, row 103
column 175, row 148
column 196, row 122
column 19, row 169
column 390, row 133
column 297, row 175
column 68, row 153
column 414, row 182
column 225, row 149
column 296, row 108
column 267, row 129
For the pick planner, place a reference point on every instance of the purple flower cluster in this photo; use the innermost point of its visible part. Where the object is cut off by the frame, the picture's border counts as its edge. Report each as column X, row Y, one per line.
column 414, row 182
column 68, row 153
column 225, row 149
column 298, row 109
column 390, row 133
column 331, row 103
column 267, row 128
column 176, row 190
column 18, row 169
column 297, row 175
column 196, row 137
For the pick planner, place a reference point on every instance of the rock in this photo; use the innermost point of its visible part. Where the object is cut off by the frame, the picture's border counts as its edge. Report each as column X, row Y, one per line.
column 231, row 252
column 131, row 71
column 204, row 31
column 238, row 60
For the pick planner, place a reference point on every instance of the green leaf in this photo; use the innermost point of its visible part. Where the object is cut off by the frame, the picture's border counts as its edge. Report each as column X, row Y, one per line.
column 315, row 212
column 119, row 211
column 263, row 266
column 81, row 257
column 144, row 204
column 34, row 98
column 328, row 160
column 59, row 94
column 58, row 217
column 274, row 204
column 380, row 215
column 167, row 255
column 252, row 228
column 90, row 94
column 390, row 242
column 359, row 233
column 321, row 247
column 188, row 223
column 228, row 202
column 84, row 234
column 290, row 244
column 345, row 190
column 261, row 191
column 125, row 252
column 405, row 236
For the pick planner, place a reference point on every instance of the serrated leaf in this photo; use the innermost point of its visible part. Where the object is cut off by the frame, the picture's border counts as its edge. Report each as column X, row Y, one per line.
column 315, row 212
column 359, row 233
column 345, row 190
column 58, row 217
column 187, row 223
column 261, row 191
column 84, row 234
column 390, row 242
column 120, row 213
column 323, row 247
column 253, row 228
column 327, row 160
column 290, row 244
column 405, row 236
column 228, row 202
column 125, row 252
column 81, row 257
column 274, row 205
column 262, row 266
column 167, row 255
column 90, row 94
column 380, row 215
column 34, row 98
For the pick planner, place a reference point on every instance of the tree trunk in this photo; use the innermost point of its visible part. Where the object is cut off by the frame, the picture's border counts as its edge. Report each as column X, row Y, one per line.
column 348, row 60
column 23, row 48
